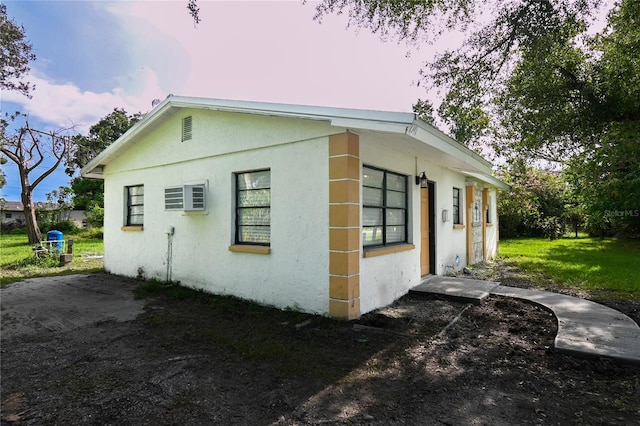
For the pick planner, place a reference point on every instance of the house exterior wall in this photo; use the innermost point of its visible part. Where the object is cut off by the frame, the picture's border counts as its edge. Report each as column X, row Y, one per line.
column 450, row 238
column 316, row 261
column 294, row 273
column 11, row 216
column 491, row 231
column 386, row 277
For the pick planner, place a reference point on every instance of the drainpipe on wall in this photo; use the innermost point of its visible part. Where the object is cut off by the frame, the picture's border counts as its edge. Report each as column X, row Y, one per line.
column 170, row 231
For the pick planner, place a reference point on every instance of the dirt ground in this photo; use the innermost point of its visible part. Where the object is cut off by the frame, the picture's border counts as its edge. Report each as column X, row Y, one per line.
column 197, row 359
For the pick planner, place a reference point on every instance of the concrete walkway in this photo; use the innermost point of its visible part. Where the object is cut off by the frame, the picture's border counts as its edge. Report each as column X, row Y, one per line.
column 584, row 328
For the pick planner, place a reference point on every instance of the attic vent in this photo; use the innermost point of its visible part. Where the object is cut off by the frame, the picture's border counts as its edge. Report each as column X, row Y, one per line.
column 194, row 198
column 187, row 128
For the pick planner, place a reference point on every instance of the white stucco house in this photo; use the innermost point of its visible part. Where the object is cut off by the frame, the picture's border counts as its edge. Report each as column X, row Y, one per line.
column 321, row 209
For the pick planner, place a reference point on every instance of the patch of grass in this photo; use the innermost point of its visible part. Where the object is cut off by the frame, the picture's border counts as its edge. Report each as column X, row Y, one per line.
column 155, row 288
column 17, row 260
column 593, row 265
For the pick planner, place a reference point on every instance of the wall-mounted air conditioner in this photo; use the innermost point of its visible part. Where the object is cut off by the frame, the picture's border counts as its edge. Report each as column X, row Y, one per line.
column 188, row 198
column 194, row 198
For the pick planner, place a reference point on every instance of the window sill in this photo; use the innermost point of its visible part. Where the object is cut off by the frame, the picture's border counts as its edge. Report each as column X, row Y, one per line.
column 132, row 228
column 489, row 224
column 381, row 251
column 239, row 248
column 459, row 226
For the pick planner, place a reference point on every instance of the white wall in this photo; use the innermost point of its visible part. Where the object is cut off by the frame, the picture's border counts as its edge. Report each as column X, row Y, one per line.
column 385, row 278
column 492, row 229
column 450, row 242
column 294, row 274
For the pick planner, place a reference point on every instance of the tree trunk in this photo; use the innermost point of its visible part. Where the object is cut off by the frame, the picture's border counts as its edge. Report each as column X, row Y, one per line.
column 33, row 231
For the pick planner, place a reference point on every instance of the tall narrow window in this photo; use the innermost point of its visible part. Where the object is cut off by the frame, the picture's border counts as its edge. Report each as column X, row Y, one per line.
column 477, row 214
column 187, row 128
column 135, row 205
column 488, row 209
column 384, row 207
column 457, row 219
column 253, row 207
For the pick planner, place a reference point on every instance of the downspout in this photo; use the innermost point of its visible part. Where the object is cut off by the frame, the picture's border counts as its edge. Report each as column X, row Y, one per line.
column 170, row 231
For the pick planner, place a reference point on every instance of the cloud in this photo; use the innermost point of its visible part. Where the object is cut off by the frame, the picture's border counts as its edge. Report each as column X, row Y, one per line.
column 62, row 105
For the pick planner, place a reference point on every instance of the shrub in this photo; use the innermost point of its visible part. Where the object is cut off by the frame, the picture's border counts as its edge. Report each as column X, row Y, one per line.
column 65, row 226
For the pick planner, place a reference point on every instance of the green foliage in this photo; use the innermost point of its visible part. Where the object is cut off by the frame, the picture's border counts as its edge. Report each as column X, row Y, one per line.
column 536, row 204
column 33, row 262
column 86, row 191
column 537, row 83
column 101, row 135
column 91, row 234
column 589, row 264
column 18, row 261
column 576, row 101
column 15, row 55
column 65, row 226
column 154, row 288
column 95, row 212
column 472, row 75
column 89, row 193
column 424, row 111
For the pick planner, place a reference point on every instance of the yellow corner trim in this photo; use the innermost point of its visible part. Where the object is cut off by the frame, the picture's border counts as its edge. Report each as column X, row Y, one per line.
column 381, row 251
column 239, row 248
column 132, row 228
column 458, row 226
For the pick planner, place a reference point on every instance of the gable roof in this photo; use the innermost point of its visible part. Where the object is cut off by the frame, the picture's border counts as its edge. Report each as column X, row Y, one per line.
column 356, row 119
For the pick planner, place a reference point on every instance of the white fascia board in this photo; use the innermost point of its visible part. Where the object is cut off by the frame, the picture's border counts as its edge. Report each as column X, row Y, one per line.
column 341, row 117
column 491, row 180
column 103, row 158
column 439, row 140
column 377, row 126
column 294, row 111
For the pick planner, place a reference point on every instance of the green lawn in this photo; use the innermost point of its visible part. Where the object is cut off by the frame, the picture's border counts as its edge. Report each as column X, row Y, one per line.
column 591, row 264
column 18, row 262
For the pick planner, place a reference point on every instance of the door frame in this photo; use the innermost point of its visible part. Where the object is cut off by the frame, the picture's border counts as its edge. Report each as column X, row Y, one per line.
column 429, row 243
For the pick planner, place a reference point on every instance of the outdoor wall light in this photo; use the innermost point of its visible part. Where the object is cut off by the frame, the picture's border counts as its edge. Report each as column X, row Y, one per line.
column 422, row 180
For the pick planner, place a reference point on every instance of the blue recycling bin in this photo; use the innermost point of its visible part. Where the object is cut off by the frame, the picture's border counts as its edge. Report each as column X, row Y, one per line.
column 56, row 236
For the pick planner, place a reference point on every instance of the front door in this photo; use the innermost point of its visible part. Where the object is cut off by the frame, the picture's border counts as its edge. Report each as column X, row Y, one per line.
column 427, row 236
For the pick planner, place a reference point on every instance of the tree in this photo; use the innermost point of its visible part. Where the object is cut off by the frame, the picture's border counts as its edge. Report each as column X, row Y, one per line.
column 576, row 101
column 89, row 192
column 28, row 148
column 537, row 203
column 101, row 135
column 472, row 76
column 537, row 84
column 15, row 55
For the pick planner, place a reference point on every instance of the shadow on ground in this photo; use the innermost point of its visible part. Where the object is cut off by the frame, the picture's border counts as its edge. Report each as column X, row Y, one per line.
column 191, row 358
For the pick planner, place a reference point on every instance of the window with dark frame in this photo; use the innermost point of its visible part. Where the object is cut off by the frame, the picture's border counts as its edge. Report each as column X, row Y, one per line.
column 384, row 207
column 253, row 207
column 488, row 208
column 457, row 219
column 135, row 205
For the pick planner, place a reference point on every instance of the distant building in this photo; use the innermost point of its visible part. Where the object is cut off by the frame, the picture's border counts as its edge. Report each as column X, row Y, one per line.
column 12, row 214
